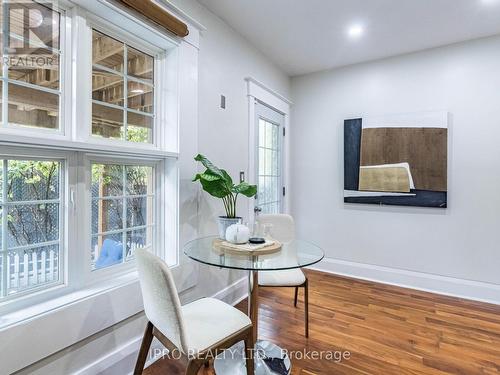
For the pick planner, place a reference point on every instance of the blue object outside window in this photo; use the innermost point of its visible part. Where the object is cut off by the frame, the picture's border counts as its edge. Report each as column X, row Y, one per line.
column 111, row 253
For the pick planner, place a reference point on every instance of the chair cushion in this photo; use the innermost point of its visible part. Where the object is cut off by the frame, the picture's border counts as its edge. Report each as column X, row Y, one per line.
column 291, row 277
column 209, row 320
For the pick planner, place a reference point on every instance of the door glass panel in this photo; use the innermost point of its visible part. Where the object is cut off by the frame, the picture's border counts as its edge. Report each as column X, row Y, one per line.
column 269, row 166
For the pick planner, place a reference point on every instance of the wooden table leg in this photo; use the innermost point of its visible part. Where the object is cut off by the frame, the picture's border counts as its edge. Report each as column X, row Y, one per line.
column 253, row 301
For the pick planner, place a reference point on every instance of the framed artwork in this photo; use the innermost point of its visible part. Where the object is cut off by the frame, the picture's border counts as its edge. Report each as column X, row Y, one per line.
column 398, row 160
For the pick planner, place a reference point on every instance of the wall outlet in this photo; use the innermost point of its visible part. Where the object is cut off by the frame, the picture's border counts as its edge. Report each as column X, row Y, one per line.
column 223, row 102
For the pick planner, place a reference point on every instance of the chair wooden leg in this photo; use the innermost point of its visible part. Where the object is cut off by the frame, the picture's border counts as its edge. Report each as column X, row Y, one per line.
column 306, row 299
column 249, row 350
column 193, row 366
column 143, row 351
column 296, row 296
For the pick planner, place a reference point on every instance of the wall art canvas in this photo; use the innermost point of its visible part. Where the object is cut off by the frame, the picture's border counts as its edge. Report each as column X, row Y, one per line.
column 397, row 160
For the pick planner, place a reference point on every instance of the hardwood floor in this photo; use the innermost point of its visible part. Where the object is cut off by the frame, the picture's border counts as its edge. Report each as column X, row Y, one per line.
column 387, row 330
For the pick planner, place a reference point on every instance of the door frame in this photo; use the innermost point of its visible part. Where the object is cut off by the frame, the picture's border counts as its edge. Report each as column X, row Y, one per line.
column 257, row 92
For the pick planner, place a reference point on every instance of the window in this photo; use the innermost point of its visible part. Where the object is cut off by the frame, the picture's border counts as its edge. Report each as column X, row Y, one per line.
column 269, row 167
column 76, row 200
column 122, row 91
column 122, row 212
column 30, row 83
column 30, row 213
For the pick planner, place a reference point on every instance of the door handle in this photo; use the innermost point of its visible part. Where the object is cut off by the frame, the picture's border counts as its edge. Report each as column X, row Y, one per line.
column 257, row 209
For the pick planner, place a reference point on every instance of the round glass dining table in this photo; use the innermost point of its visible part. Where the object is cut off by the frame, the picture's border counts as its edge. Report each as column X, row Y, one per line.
column 293, row 254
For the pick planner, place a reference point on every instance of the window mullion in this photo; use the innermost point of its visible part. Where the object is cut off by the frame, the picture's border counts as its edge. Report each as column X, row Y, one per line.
column 5, row 67
column 5, row 255
column 35, row 87
column 124, row 215
column 129, row 229
column 125, row 93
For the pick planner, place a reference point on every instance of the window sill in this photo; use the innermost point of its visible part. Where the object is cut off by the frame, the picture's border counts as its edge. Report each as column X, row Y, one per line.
column 32, row 312
column 60, row 142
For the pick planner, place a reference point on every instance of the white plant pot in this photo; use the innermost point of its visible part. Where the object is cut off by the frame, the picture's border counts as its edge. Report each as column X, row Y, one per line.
column 225, row 222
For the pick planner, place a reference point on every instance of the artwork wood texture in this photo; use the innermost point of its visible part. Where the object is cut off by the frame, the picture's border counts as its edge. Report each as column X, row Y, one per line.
column 395, row 165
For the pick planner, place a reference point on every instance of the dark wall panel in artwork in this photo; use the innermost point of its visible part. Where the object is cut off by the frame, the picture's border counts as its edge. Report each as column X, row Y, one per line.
column 425, row 149
column 422, row 198
column 352, row 146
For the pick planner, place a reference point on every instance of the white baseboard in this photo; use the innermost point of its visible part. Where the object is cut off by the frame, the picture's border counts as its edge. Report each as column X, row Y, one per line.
column 445, row 285
column 122, row 359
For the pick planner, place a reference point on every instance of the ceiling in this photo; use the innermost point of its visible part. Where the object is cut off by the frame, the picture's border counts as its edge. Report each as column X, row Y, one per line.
column 303, row 36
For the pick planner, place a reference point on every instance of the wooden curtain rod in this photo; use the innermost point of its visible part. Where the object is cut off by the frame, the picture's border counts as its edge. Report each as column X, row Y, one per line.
column 158, row 15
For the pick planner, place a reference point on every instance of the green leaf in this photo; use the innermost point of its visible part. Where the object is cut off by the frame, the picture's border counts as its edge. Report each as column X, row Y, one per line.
column 227, row 178
column 211, row 168
column 216, row 188
column 206, row 176
column 246, row 189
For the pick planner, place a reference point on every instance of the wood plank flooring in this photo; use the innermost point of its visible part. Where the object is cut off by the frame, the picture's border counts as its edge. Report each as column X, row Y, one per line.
column 387, row 330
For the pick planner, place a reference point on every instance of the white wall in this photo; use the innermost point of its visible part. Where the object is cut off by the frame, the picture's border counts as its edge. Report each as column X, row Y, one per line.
column 224, row 60
column 461, row 242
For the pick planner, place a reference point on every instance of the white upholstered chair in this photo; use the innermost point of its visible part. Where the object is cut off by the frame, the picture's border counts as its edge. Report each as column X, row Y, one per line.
column 283, row 230
column 193, row 330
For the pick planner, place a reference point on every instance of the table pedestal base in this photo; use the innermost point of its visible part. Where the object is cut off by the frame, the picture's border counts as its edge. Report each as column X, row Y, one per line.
column 232, row 360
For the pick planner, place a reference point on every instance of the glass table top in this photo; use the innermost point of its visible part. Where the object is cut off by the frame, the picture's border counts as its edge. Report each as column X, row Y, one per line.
column 294, row 254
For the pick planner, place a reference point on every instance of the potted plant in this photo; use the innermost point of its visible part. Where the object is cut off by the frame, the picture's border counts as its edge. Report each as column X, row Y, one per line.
column 218, row 183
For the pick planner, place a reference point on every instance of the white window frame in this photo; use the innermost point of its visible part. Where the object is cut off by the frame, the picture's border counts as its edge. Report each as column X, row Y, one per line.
column 65, row 216
column 97, row 275
column 158, row 59
column 65, row 46
column 75, row 144
column 165, row 60
column 76, row 86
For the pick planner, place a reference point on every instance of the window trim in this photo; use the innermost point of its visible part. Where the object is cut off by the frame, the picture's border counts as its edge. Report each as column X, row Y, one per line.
column 159, row 56
column 65, row 47
column 76, row 297
column 165, row 67
column 66, row 179
column 75, row 117
column 129, row 40
column 75, row 256
column 98, row 275
column 61, row 227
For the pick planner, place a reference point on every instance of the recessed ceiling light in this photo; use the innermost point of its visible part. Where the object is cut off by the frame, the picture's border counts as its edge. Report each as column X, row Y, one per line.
column 137, row 91
column 355, row 31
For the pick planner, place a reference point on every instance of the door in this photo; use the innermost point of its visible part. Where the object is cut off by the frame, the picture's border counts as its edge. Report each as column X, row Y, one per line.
column 269, row 159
